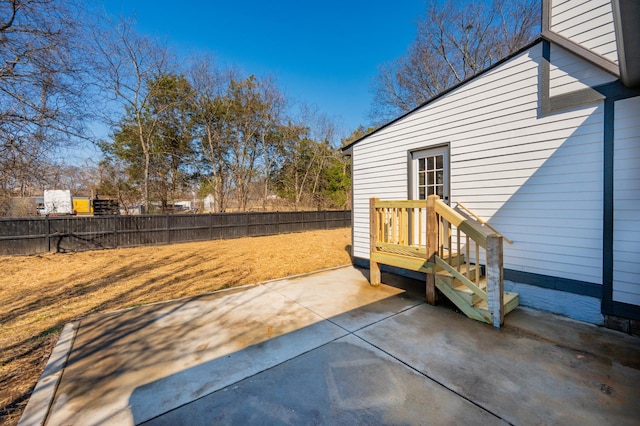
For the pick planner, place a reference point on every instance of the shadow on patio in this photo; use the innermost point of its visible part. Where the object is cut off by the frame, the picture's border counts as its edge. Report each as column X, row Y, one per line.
column 329, row 348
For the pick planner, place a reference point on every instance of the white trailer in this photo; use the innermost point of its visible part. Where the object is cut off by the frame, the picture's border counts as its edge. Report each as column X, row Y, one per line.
column 58, row 201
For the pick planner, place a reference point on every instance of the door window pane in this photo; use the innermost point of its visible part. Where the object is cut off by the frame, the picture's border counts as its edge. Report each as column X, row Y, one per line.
column 430, row 178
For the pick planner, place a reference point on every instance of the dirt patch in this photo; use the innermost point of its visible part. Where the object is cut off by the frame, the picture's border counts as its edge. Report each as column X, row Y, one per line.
column 39, row 294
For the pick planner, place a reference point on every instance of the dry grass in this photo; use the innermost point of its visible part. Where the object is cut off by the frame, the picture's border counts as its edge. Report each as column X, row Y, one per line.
column 39, row 294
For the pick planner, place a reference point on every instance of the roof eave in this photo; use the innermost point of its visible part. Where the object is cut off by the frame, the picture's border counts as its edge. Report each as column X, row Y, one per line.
column 626, row 15
column 443, row 93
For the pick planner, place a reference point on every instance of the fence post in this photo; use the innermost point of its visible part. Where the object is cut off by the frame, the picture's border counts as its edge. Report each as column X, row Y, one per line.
column 210, row 226
column 495, row 279
column 115, row 230
column 167, row 229
column 432, row 247
column 278, row 221
column 47, row 233
column 374, row 267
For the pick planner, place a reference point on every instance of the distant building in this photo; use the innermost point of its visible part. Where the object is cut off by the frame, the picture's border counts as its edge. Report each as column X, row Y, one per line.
column 209, row 203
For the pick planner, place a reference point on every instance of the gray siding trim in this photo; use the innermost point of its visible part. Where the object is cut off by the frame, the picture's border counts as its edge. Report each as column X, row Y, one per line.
column 586, row 96
column 624, row 310
column 410, row 172
column 545, row 79
column 626, row 15
column 552, row 104
column 607, row 208
column 616, row 91
column 594, row 58
column 613, row 91
column 538, row 280
column 546, row 16
column 554, row 283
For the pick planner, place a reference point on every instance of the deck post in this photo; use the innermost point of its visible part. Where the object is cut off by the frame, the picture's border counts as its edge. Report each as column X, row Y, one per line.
column 495, row 279
column 432, row 247
column 374, row 267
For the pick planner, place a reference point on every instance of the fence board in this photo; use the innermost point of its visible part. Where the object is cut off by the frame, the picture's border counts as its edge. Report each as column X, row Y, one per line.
column 25, row 236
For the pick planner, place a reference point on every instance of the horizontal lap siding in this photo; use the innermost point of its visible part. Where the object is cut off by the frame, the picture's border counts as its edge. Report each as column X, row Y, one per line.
column 626, row 230
column 527, row 191
column 588, row 23
column 569, row 73
column 507, row 164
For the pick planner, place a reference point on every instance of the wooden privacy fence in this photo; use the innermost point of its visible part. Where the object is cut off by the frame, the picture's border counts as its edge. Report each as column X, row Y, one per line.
column 24, row 236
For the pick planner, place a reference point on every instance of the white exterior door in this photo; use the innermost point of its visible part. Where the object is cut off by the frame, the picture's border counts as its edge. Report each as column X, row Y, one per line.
column 430, row 171
column 429, row 175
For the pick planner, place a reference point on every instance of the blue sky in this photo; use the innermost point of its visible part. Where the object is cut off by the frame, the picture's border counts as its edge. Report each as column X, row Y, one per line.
column 324, row 53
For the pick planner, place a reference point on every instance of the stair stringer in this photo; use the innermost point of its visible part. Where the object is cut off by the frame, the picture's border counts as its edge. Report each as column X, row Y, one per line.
column 462, row 304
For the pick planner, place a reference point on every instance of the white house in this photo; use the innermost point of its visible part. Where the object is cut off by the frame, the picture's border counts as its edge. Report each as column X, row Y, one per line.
column 545, row 146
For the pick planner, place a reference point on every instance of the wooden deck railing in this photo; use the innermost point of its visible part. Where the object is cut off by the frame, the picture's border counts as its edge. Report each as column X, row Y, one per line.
column 397, row 235
column 429, row 236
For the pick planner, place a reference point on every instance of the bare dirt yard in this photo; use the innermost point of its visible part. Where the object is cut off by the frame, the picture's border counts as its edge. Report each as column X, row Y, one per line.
column 39, row 294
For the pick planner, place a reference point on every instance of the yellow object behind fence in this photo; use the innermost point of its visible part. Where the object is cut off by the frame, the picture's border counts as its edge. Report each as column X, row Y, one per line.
column 82, row 206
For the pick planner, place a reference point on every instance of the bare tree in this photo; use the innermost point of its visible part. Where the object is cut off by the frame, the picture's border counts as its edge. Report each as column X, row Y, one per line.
column 42, row 87
column 253, row 106
column 80, row 179
column 307, row 150
column 455, row 40
column 127, row 67
column 271, row 133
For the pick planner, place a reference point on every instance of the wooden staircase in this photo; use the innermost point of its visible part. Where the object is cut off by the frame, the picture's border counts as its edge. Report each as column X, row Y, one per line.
column 460, row 291
column 449, row 246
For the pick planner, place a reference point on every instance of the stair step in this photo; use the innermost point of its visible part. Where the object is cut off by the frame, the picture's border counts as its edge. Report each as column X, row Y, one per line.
column 511, row 301
column 466, row 293
column 467, row 271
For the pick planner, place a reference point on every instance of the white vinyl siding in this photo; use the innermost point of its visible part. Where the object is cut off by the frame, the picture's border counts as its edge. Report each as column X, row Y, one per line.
column 509, row 164
column 569, row 73
column 588, row 23
column 626, row 226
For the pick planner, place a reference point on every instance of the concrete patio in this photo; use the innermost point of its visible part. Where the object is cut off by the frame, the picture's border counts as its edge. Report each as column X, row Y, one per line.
column 328, row 348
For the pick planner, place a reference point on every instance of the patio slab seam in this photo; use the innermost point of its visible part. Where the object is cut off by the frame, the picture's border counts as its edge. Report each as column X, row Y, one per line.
column 348, row 333
column 425, row 375
column 247, row 377
column 324, row 318
column 41, row 400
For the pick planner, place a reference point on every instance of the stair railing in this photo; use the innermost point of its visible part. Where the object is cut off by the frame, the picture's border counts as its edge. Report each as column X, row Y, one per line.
column 397, row 235
column 429, row 236
column 455, row 234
